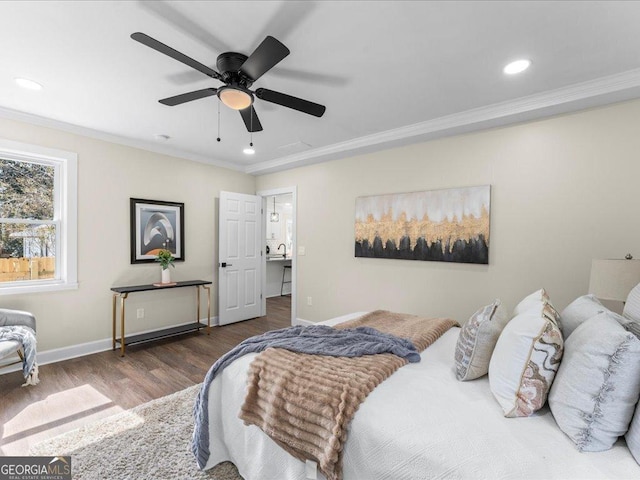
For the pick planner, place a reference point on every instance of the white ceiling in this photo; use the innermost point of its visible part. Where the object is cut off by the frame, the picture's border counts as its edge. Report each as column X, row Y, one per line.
column 389, row 72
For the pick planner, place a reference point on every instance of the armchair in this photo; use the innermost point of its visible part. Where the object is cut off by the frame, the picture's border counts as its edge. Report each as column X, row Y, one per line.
column 17, row 336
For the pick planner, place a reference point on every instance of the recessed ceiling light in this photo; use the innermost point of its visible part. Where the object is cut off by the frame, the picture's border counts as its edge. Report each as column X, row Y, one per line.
column 248, row 151
column 29, row 84
column 516, row 67
column 161, row 137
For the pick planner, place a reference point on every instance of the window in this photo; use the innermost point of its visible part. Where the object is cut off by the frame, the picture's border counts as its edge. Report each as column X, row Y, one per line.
column 38, row 219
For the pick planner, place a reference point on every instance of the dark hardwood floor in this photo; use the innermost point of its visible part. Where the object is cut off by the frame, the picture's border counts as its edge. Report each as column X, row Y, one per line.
column 76, row 392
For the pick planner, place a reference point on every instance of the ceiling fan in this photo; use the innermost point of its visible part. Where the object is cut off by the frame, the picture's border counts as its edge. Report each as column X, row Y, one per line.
column 238, row 73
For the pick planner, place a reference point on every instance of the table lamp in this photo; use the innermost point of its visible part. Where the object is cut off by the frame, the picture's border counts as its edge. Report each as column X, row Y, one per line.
column 614, row 279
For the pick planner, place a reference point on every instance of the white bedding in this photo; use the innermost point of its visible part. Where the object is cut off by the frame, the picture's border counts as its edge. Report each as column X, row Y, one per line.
column 421, row 423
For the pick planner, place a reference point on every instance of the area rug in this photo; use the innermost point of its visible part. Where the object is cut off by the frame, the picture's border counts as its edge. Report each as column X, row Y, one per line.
column 151, row 441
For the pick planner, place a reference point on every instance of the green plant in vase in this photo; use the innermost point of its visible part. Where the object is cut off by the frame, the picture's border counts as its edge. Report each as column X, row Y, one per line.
column 165, row 258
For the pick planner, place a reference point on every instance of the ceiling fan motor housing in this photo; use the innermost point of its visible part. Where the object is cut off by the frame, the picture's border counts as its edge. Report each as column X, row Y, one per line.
column 229, row 64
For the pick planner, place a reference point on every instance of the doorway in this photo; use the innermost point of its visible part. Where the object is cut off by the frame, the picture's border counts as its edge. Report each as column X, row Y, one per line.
column 279, row 272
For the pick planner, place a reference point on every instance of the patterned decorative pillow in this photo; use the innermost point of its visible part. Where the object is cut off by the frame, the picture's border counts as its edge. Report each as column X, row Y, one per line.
column 538, row 300
column 598, row 384
column 539, row 296
column 632, row 305
column 579, row 311
column 525, row 361
column 477, row 340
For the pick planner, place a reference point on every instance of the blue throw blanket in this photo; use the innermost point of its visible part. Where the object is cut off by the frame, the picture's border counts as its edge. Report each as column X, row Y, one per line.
column 315, row 339
column 27, row 338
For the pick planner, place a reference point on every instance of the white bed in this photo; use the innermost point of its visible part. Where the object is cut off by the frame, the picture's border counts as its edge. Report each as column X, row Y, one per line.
column 421, row 423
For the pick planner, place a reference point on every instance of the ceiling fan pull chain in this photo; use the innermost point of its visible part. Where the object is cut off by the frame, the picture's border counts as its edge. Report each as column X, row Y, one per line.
column 218, row 121
column 251, row 129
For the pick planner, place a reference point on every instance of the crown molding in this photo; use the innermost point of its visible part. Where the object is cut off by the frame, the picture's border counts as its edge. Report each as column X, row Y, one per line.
column 592, row 93
column 10, row 114
column 601, row 91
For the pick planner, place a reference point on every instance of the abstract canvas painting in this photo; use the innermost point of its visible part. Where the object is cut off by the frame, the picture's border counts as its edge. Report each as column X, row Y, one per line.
column 449, row 225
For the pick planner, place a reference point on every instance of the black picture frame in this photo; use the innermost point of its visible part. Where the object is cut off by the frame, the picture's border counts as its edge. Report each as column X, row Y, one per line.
column 155, row 225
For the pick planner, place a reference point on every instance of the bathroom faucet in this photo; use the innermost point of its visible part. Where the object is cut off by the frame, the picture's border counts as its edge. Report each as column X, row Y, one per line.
column 285, row 249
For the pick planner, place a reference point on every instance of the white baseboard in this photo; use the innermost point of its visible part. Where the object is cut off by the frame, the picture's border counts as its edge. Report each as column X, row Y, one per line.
column 67, row 353
column 302, row 321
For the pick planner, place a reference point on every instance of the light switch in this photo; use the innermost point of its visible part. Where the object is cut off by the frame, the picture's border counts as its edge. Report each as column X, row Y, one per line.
column 301, row 250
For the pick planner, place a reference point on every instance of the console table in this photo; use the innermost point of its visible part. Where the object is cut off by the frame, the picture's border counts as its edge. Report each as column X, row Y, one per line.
column 123, row 293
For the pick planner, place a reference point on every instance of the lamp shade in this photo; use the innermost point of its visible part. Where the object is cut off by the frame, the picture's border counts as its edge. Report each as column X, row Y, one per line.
column 614, row 279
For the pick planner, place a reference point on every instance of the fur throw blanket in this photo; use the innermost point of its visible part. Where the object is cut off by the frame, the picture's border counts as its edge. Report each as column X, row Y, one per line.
column 314, row 339
column 305, row 402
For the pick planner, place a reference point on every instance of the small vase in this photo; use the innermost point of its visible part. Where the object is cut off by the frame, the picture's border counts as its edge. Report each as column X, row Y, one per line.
column 166, row 275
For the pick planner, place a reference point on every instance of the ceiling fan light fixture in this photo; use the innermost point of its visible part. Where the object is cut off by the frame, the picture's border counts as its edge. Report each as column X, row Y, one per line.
column 235, row 98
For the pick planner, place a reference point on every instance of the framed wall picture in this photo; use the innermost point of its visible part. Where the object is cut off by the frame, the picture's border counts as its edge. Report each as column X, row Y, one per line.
column 450, row 225
column 156, row 225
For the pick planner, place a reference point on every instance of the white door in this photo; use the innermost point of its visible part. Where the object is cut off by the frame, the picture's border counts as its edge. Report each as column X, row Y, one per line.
column 239, row 268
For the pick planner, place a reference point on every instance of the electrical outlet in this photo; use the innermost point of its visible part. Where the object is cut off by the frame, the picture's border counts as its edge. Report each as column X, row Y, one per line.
column 309, row 301
column 140, row 313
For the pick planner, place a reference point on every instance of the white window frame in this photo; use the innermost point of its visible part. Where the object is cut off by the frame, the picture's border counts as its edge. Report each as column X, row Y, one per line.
column 65, row 215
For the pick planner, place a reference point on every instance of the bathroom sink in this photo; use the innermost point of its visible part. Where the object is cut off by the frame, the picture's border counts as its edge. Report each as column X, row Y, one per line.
column 279, row 256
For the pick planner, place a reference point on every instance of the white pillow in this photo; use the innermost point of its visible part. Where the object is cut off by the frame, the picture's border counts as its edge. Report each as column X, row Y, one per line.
column 531, row 300
column 633, row 435
column 598, row 384
column 525, row 361
column 477, row 339
column 579, row 311
column 538, row 300
column 632, row 305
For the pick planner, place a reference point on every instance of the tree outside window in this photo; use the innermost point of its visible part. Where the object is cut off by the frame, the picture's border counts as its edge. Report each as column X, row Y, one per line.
column 27, row 222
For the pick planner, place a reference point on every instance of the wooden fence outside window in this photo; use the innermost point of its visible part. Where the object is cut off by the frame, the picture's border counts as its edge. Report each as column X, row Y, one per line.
column 35, row 268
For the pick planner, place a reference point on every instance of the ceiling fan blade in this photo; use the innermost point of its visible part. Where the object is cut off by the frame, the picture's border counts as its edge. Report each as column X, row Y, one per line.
column 176, row 55
column 304, row 106
column 251, row 119
column 188, row 97
column 268, row 54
